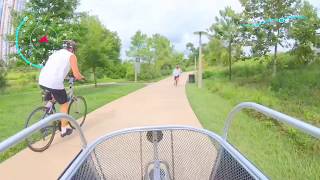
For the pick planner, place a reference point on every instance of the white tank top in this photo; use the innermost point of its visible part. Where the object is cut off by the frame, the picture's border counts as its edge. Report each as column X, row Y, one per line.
column 55, row 70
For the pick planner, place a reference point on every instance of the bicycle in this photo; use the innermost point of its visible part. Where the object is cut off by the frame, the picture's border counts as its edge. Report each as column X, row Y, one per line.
column 42, row 139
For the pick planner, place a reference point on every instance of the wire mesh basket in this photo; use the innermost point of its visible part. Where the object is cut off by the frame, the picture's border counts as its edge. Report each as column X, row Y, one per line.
column 164, row 153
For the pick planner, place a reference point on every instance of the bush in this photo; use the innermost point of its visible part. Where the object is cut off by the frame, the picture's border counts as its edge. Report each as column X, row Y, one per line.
column 129, row 71
column 117, row 72
column 166, row 69
column 249, row 68
column 296, row 82
column 148, row 72
column 208, row 74
column 3, row 81
column 3, row 73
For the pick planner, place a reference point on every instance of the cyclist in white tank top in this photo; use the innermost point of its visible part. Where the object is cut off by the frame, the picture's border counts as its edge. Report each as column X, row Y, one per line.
column 53, row 74
column 56, row 69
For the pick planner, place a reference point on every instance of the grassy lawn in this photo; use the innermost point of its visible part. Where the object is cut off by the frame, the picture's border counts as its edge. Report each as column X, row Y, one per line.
column 278, row 155
column 16, row 106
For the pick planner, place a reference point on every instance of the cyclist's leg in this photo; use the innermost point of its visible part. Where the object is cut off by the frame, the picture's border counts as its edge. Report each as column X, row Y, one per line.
column 175, row 80
column 60, row 95
column 47, row 96
column 64, row 109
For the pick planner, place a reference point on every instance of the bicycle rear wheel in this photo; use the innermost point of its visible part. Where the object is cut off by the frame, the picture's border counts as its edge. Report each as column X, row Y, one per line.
column 41, row 139
column 78, row 109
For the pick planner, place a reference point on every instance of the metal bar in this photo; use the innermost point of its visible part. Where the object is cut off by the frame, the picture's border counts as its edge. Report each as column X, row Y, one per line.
column 156, row 165
column 20, row 136
column 141, row 160
column 172, row 155
column 302, row 126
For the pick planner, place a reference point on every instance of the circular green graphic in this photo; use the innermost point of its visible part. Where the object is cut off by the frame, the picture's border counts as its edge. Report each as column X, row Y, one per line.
column 36, row 40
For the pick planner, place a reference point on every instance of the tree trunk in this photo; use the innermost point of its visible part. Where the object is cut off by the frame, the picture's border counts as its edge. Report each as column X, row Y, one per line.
column 94, row 76
column 230, row 60
column 274, row 69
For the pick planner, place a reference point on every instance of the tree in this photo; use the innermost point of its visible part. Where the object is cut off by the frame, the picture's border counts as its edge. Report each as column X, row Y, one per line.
column 3, row 74
column 56, row 17
column 163, row 54
column 139, row 47
column 271, row 32
column 304, row 34
column 227, row 29
column 162, row 48
column 98, row 47
column 156, row 53
column 193, row 52
column 215, row 52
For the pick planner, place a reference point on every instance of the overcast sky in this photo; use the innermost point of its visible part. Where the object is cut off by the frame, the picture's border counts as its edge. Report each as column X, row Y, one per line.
column 175, row 19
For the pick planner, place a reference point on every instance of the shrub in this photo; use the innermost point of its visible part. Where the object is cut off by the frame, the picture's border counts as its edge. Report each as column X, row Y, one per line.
column 208, row 74
column 148, row 72
column 3, row 73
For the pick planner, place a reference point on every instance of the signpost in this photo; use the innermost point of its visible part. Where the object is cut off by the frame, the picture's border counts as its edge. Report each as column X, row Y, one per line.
column 200, row 33
column 136, row 69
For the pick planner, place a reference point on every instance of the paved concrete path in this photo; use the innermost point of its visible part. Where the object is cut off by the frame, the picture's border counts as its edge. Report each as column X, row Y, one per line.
column 156, row 104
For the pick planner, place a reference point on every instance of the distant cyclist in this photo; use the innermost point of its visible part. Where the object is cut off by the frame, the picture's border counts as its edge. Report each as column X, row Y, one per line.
column 176, row 74
column 53, row 74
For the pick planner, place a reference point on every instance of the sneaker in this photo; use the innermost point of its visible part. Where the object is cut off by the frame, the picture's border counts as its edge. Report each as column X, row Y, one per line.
column 68, row 132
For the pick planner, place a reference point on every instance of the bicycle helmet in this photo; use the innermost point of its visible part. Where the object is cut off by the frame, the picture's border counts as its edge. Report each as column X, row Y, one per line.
column 69, row 44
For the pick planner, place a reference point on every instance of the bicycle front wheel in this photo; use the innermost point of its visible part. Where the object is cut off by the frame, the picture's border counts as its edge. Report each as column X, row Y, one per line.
column 41, row 139
column 78, row 110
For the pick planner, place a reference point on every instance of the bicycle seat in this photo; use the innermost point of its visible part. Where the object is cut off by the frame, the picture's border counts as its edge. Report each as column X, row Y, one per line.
column 45, row 92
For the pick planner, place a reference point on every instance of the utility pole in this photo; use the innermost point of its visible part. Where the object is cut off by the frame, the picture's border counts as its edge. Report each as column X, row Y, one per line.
column 195, row 68
column 200, row 33
column 136, row 69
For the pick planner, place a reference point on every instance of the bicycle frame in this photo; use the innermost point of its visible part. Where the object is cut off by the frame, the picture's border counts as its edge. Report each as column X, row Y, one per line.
column 71, row 89
column 70, row 95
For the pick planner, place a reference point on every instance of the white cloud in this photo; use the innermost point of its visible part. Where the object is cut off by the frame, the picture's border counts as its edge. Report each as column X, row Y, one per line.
column 175, row 19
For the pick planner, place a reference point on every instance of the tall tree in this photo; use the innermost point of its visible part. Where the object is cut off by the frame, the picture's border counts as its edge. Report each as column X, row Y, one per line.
column 193, row 52
column 161, row 47
column 215, row 52
column 273, row 30
column 98, row 46
column 139, row 47
column 156, row 53
column 227, row 29
column 304, row 34
column 163, row 53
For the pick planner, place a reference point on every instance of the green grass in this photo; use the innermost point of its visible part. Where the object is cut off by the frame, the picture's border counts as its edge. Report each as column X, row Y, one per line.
column 278, row 155
column 16, row 106
column 293, row 91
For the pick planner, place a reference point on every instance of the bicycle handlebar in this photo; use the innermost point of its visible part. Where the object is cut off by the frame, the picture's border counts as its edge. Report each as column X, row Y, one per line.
column 71, row 79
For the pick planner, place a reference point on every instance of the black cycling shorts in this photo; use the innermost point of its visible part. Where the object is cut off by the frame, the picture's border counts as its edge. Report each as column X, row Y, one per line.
column 60, row 95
